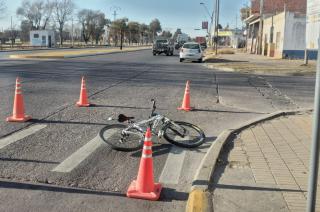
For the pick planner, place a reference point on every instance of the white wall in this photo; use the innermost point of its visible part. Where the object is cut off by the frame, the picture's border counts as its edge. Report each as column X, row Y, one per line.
column 38, row 41
column 313, row 24
column 278, row 23
column 295, row 32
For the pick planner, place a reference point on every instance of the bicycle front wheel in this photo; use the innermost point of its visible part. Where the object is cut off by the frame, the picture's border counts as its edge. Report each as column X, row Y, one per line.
column 184, row 134
column 113, row 135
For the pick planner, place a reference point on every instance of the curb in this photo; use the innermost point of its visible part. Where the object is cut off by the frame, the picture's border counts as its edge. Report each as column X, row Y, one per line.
column 256, row 72
column 200, row 199
column 70, row 56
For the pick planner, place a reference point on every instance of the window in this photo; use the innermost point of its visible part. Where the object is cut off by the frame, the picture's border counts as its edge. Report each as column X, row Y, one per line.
column 191, row 46
column 161, row 41
column 44, row 40
column 36, row 36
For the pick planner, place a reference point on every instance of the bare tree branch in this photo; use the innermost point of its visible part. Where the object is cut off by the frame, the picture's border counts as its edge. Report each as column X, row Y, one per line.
column 3, row 8
column 62, row 10
column 37, row 12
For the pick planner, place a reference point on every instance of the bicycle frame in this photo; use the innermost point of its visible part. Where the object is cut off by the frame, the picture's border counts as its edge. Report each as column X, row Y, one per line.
column 153, row 122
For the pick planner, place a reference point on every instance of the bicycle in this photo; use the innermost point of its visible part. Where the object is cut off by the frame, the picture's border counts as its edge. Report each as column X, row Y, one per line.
column 130, row 136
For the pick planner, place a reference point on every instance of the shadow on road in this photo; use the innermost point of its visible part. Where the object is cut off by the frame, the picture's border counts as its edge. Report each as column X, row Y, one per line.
column 27, row 160
column 117, row 106
column 39, row 121
column 162, row 149
column 28, row 186
column 225, row 111
column 169, row 195
column 219, row 60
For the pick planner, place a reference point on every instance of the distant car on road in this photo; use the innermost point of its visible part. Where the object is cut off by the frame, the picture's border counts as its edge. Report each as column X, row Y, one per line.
column 191, row 51
column 163, row 45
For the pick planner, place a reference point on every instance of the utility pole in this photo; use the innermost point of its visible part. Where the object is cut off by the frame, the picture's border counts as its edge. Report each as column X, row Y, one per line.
column 115, row 9
column 114, row 15
column 11, row 33
column 306, row 56
column 209, row 29
column 314, row 157
column 217, row 25
column 260, row 28
column 236, row 22
column 72, row 39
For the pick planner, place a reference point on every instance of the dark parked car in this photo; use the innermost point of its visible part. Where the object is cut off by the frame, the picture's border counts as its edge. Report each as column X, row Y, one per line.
column 163, row 45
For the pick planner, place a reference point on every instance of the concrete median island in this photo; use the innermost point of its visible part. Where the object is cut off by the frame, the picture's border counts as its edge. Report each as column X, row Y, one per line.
column 60, row 54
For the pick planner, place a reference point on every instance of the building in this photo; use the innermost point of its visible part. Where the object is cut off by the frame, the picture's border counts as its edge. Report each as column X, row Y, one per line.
column 231, row 37
column 313, row 27
column 270, row 9
column 284, row 35
column 42, row 38
column 277, row 6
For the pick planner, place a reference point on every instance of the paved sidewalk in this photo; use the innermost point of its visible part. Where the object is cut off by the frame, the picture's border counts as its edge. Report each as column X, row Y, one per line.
column 258, row 64
column 265, row 167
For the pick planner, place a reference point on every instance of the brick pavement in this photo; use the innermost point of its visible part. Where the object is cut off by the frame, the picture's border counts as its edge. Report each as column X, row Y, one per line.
column 274, row 156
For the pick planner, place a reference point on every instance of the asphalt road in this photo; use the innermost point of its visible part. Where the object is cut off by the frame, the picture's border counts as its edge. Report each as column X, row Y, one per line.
column 119, row 83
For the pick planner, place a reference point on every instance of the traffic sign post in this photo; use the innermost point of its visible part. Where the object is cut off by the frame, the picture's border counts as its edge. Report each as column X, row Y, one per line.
column 314, row 159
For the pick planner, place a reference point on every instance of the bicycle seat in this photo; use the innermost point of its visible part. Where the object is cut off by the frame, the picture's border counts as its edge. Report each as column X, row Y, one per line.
column 123, row 118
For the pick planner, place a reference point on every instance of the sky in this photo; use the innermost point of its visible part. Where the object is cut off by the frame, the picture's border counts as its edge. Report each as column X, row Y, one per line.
column 173, row 14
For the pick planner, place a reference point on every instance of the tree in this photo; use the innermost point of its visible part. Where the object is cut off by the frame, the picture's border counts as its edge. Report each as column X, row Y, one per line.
column 155, row 27
column 93, row 23
column 85, row 17
column 166, row 34
column 37, row 12
column 62, row 10
column 98, row 24
column 118, row 28
column 144, row 32
column 25, row 27
column 133, row 30
column 2, row 8
column 12, row 35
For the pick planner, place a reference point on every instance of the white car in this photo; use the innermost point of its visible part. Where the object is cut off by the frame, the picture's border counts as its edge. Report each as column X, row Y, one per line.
column 191, row 51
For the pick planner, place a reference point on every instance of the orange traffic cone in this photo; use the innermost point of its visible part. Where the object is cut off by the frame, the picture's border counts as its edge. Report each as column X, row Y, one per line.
column 18, row 106
column 186, row 99
column 83, row 100
column 144, row 187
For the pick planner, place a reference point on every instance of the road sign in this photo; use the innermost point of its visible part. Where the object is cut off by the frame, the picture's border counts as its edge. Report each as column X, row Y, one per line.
column 204, row 24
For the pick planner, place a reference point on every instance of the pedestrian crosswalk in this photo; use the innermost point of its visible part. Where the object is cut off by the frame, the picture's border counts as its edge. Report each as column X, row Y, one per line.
column 170, row 174
column 80, row 155
column 17, row 136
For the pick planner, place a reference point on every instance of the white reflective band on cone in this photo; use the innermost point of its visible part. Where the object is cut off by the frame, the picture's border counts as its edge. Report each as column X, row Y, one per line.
column 147, row 156
column 147, row 147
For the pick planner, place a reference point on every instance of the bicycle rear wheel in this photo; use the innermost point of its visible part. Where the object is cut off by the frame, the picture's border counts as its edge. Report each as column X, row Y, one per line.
column 192, row 136
column 113, row 135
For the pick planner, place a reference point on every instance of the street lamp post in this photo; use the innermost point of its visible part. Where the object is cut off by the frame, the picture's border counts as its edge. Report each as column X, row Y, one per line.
column 211, row 21
column 217, row 25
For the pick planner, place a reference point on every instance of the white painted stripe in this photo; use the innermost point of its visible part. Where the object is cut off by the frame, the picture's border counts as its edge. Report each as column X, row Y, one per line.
column 81, row 154
column 20, row 135
column 172, row 169
column 147, row 147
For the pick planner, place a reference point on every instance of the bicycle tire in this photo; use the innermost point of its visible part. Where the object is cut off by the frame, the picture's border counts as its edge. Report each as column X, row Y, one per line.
column 200, row 138
column 114, row 139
